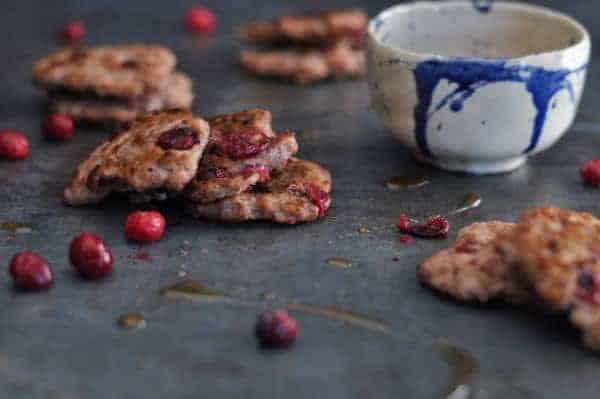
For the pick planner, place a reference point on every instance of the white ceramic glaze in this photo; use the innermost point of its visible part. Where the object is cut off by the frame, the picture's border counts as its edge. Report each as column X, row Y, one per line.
column 476, row 91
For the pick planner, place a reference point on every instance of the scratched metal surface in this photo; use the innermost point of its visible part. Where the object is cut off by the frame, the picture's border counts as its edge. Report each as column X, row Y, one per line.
column 65, row 343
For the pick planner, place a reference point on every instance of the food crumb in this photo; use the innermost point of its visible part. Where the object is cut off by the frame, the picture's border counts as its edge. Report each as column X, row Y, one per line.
column 364, row 230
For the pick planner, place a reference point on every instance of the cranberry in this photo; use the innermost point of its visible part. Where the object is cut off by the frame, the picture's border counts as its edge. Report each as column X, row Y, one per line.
column 590, row 172
column 276, row 328
column 200, row 20
column 263, row 172
column 145, row 226
column 72, row 32
column 90, row 256
column 13, row 145
column 240, row 145
column 30, row 271
column 405, row 239
column 318, row 197
column 434, row 227
column 588, row 287
column 181, row 139
column 58, row 126
column 402, row 224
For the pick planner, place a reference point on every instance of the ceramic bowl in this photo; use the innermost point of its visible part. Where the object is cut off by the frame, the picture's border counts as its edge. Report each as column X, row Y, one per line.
column 474, row 87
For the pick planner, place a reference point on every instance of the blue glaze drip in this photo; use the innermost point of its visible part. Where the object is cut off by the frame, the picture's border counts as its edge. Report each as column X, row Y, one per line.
column 469, row 76
column 483, row 6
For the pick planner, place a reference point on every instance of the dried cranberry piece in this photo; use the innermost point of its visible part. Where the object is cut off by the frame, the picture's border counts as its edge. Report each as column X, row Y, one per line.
column 179, row 138
column 318, row 197
column 402, row 224
column 29, row 271
column 405, row 239
column 434, row 227
column 276, row 328
column 240, row 145
column 590, row 172
column 588, row 287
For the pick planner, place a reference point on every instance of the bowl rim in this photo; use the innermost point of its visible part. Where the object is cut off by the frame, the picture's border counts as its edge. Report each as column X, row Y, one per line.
column 583, row 43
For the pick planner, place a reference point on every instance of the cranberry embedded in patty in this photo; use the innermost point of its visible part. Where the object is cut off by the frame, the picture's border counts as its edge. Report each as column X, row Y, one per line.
column 241, row 145
column 180, row 138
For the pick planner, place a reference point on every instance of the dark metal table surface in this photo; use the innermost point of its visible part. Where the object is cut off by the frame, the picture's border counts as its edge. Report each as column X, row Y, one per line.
column 65, row 343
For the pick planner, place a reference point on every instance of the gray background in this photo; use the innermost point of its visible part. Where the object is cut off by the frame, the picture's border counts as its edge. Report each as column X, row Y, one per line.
column 65, row 343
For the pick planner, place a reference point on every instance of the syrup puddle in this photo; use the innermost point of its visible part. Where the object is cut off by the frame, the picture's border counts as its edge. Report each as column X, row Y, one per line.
column 341, row 263
column 131, row 321
column 464, row 367
column 469, row 201
column 16, row 227
column 406, row 181
column 191, row 289
column 355, row 319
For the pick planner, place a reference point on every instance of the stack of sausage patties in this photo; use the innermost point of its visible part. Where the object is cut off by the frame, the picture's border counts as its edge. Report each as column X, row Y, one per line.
column 229, row 167
column 112, row 83
column 308, row 48
column 549, row 258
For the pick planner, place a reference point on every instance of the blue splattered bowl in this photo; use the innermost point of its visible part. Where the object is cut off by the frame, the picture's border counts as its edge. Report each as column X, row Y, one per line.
column 474, row 86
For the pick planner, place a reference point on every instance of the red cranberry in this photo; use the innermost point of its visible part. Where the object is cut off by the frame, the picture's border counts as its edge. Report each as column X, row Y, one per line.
column 30, row 271
column 72, row 32
column 318, row 197
column 405, row 239
column 402, row 224
column 590, row 172
column 434, row 227
column 588, row 287
column 240, row 145
column 145, row 226
column 200, row 20
column 263, row 172
column 90, row 256
column 13, row 145
column 181, row 139
column 58, row 126
column 276, row 328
